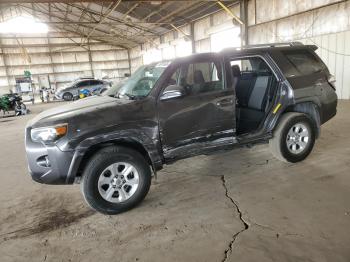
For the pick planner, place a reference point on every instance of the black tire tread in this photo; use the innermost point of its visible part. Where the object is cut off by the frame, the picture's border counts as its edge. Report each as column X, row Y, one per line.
column 70, row 95
column 96, row 160
column 276, row 142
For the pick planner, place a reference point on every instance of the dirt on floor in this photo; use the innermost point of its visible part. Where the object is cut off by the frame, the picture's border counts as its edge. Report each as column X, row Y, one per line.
column 241, row 205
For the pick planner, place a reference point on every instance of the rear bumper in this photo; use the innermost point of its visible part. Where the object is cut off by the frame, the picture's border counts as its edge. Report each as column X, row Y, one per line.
column 47, row 164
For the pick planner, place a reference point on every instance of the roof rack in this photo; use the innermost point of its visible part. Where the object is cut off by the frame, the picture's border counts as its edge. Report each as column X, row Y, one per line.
column 274, row 45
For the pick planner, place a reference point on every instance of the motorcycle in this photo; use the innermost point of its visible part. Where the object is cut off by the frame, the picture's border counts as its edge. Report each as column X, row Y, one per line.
column 12, row 102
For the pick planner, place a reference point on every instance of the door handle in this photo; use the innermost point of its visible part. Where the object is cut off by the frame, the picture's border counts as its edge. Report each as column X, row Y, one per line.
column 225, row 102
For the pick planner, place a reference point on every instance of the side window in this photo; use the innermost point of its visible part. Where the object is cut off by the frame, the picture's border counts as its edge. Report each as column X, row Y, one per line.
column 81, row 84
column 197, row 78
column 95, row 82
column 203, row 77
column 303, row 63
column 174, row 79
column 251, row 64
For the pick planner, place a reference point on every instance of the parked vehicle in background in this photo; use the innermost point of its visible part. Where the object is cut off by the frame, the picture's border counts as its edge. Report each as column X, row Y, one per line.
column 279, row 94
column 71, row 91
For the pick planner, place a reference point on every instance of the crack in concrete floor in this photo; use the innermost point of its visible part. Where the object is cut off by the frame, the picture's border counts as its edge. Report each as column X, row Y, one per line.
column 228, row 251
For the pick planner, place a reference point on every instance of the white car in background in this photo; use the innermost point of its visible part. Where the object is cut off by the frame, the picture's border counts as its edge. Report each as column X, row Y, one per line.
column 71, row 91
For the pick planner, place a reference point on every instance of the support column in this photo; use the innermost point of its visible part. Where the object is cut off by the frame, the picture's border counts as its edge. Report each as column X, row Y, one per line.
column 129, row 61
column 51, row 63
column 7, row 74
column 244, row 26
column 90, row 59
column 192, row 38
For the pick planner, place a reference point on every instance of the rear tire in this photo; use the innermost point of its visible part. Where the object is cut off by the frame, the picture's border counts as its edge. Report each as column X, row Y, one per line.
column 67, row 96
column 294, row 137
column 104, row 186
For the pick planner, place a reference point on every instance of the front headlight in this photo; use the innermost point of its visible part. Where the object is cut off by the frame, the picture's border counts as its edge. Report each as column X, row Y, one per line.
column 48, row 134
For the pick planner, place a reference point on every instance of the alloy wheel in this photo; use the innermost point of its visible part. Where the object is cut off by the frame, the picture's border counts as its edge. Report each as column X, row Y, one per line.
column 297, row 138
column 118, row 182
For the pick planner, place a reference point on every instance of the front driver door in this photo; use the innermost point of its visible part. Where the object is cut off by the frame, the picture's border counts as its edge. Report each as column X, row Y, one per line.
column 204, row 116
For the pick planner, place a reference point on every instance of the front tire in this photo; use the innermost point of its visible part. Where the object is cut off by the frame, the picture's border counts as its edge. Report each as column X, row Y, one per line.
column 67, row 96
column 294, row 138
column 115, row 180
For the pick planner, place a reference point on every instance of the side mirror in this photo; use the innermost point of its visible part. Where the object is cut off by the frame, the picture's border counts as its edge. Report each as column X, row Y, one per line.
column 126, row 75
column 171, row 92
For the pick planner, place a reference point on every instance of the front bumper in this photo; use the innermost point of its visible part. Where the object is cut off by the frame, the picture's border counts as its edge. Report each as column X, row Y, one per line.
column 47, row 164
column 59, row 96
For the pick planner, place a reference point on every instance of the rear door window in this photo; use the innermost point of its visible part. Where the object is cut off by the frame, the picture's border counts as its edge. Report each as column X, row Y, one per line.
column 303, row 63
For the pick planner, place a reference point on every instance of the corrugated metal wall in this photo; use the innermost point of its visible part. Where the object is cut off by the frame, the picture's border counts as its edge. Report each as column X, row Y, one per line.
column 322, row 22
column 334, row 49
column 171, row 43
column 59, row 60
column 325, row 23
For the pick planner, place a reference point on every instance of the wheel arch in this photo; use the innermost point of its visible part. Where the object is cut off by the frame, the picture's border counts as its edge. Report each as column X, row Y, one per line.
column 83, row 158
column 310, row 109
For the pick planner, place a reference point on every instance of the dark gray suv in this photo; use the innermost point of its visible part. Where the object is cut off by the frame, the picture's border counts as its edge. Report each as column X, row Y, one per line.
column 111, row 144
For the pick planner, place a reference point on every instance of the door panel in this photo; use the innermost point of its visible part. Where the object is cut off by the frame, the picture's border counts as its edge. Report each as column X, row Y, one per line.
column 205, row 114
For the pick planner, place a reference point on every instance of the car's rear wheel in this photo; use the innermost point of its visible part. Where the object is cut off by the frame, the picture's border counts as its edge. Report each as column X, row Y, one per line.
column 67, row 96
column 116, row 180
column 293, row 138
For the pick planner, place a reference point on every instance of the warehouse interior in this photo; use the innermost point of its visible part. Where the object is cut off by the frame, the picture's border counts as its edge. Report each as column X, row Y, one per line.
column 240, row 205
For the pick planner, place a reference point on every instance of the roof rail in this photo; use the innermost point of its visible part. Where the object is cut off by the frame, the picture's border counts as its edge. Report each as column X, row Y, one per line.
column 274, row 45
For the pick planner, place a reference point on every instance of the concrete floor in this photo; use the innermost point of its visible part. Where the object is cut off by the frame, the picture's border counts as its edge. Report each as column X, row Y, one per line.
column 242, row 205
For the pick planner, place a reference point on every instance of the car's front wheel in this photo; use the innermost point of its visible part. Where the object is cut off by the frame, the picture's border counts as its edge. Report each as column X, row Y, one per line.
column 116, row 180
column 294, row 138
column 67, row 96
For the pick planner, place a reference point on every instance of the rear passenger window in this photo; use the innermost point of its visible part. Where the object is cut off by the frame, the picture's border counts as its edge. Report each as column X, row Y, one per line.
column 303, row 63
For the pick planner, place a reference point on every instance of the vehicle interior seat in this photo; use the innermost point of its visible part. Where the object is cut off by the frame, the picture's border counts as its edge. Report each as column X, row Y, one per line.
column 236, row 73
column 198, row 82
column 254, row 94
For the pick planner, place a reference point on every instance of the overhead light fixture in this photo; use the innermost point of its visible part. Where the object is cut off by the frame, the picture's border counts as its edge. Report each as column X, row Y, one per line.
column 156, row 2
column 23, row 25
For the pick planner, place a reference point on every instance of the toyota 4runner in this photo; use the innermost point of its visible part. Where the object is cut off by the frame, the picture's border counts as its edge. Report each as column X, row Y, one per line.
column 112, row 144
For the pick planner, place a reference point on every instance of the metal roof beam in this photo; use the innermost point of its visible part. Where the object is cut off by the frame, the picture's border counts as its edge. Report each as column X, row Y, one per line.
column 79, row 32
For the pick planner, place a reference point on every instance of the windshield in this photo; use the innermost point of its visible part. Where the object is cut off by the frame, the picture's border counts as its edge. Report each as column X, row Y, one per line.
column 140, row 83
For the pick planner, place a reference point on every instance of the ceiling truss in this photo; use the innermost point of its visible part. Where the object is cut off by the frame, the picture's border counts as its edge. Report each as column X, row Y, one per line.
column 121, row 23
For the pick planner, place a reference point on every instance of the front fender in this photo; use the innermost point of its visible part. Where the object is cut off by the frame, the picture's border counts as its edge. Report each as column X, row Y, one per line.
column 135, row 135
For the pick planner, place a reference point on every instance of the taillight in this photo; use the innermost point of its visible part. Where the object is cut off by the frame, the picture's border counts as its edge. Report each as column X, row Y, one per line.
column 332, row 80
